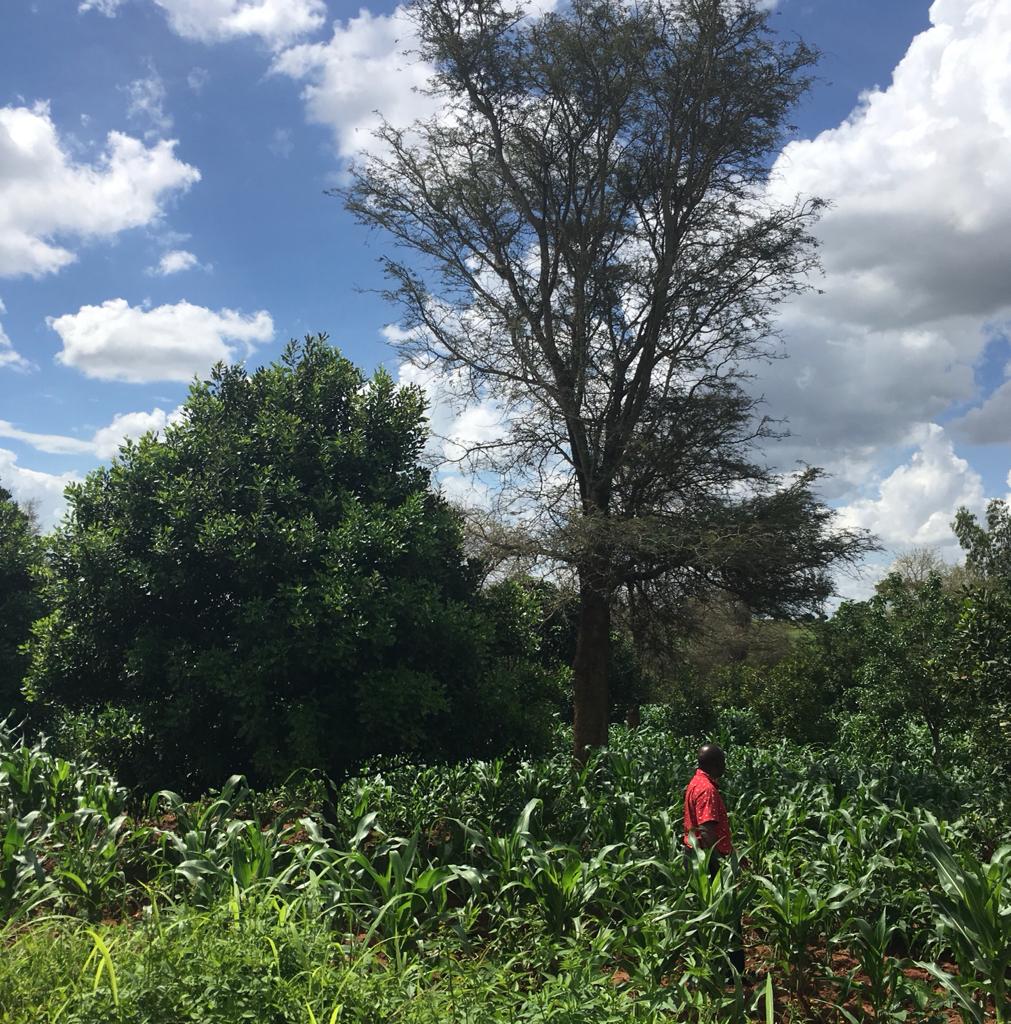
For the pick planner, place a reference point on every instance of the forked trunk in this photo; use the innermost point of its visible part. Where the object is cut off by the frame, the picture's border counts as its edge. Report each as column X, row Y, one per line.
column 591, row 703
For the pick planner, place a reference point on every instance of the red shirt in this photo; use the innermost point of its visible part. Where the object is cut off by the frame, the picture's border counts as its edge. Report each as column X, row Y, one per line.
column 703, row 804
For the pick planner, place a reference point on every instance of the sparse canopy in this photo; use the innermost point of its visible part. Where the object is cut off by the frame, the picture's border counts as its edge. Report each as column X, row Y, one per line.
column 593, row 248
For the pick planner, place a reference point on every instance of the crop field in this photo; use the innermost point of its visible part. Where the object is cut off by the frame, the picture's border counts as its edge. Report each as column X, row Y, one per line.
column 487, row 892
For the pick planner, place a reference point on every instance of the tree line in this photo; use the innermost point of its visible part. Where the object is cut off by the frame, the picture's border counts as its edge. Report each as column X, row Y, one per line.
column 584, row 235
column 924, row 663
column 276, row 584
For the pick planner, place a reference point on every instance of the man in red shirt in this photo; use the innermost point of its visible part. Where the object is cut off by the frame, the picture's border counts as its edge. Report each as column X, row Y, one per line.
column 706, row 818
column 707, row 826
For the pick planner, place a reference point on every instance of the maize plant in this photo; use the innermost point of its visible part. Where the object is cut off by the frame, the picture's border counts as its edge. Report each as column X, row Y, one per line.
column 974, row 918
column 879, row 981
column 796, row 915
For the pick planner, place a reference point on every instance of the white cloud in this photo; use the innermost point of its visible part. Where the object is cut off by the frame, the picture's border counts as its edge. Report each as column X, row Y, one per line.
column 915, row 246
column 133, row 425
column 43, row 491
column 52, row 444
column 104, row 443
column 106, row 7
column 147, row 103
column 915, row 504
column 197, row 79
column 457, row 422
column 173, row 262
column 117, row 341
column 276, row 22
column 45, row 195
column 361, row 70
column 989, row 422
column 9, row 358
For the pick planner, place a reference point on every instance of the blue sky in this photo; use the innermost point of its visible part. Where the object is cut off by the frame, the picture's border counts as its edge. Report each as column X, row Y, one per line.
column 128, row 262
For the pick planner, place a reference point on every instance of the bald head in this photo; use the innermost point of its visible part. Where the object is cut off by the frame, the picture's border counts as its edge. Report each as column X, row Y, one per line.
column 712, row 760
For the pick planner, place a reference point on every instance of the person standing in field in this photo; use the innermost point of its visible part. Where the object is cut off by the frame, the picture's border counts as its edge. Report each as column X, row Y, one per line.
column 707, row 825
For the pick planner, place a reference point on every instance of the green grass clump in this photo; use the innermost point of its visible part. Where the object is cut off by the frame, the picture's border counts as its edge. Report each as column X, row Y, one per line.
column 254, row 961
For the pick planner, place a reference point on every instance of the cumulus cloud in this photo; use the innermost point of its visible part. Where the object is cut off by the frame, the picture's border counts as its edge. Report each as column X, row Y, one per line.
column 456, row 422
column 105, row 442
column 989, row 422
column 45, row 195
column 132, row 425
column 9, row 358
column 276, row 22
column 117, row 341
column 367, row 69
column 915, row 247
column 173, row 262
column 362, row 69
column 917, row 501
column 41, row 491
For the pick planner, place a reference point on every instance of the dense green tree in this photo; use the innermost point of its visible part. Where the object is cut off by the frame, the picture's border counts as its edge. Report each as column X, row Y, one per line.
column 909, row 658
column 591, row 243
column 20, row 600
column 984, row 630
column 987, row 547
column 983, row 674
column 272, row 585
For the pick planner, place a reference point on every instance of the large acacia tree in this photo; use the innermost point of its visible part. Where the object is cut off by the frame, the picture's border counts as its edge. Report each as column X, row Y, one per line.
column 588, row 241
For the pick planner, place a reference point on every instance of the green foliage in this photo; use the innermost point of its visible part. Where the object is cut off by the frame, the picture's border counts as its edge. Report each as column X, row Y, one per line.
column 921, row 666
column 791, row 699
column 908, row 659
column 974, row 919
column 20, row 601
column 983, row 673
column 494, row 892
column 987, row 548
column 273, row 585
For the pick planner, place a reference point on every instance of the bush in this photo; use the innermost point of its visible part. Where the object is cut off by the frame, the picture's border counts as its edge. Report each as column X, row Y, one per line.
column 274, row 585
column 20, row 600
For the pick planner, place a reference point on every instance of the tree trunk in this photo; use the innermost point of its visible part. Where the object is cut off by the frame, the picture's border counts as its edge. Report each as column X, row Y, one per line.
column 935, row 738
column 633, row 719
column 591, row 702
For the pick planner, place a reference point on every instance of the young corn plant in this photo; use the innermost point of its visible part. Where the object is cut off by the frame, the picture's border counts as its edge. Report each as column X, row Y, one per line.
column 887, row 990
column 87, row 859
column 796, row 915
column 23, row 881
column 973, row 917
column 721, row 901
column 393, row 893
column 563, row 884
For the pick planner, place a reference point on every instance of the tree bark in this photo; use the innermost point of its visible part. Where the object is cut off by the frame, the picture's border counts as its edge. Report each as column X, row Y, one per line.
column 591, row 700
column 935, row 738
